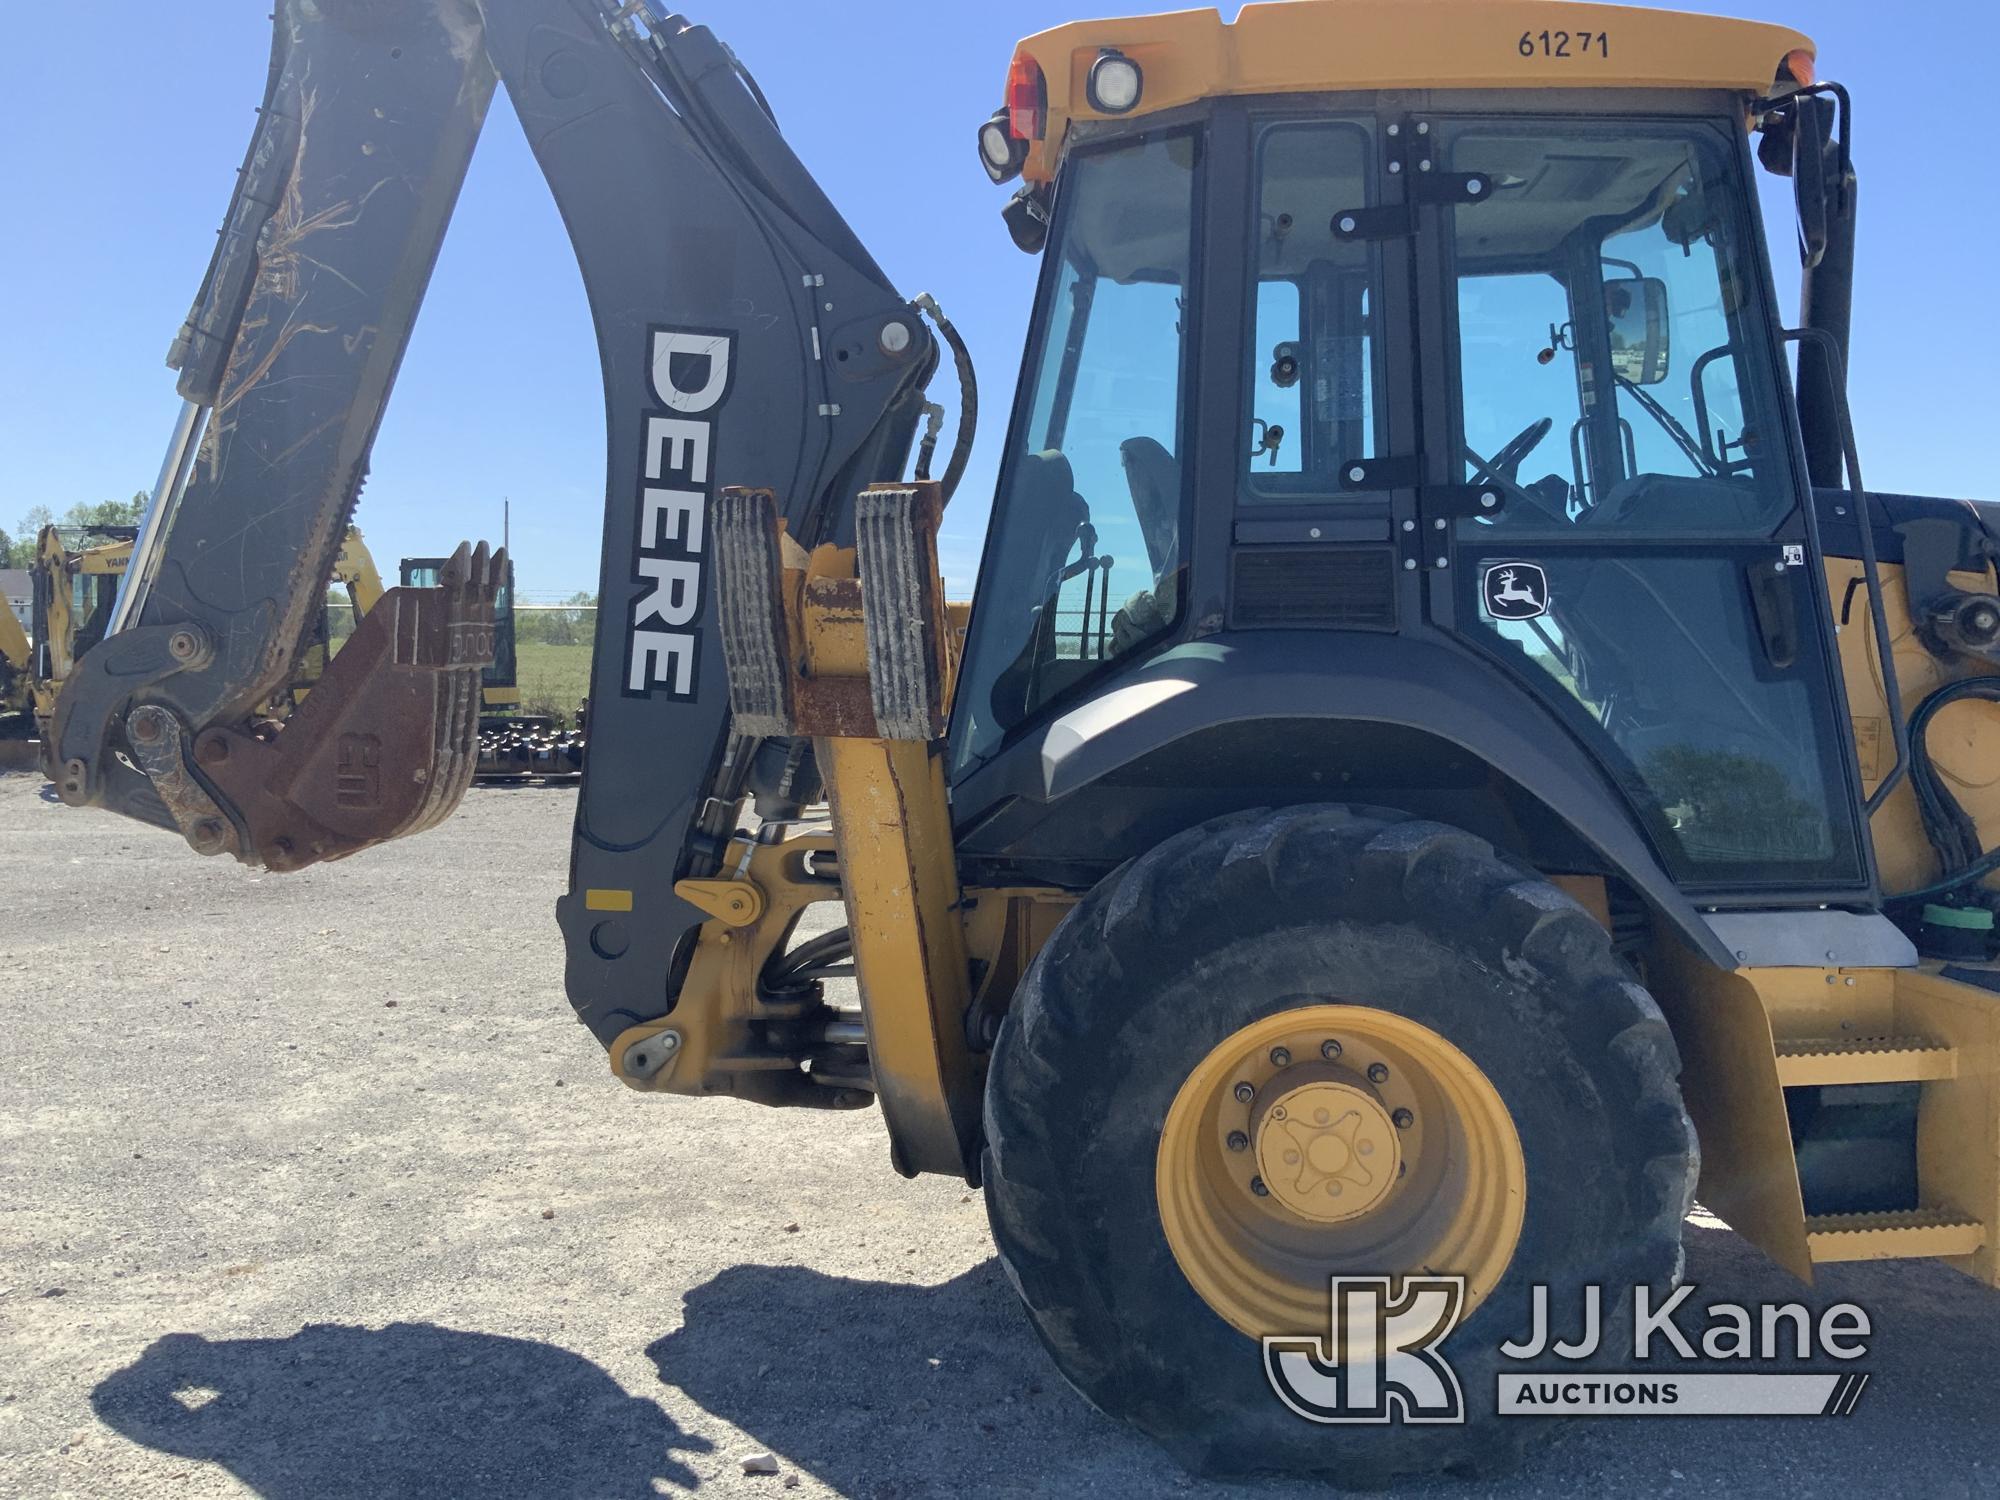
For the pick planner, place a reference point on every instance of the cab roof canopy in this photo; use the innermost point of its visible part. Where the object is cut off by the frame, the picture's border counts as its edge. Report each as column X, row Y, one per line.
column 1325, row 46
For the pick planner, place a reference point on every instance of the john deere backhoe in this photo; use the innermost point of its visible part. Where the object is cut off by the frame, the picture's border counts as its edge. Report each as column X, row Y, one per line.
column 1441, row 729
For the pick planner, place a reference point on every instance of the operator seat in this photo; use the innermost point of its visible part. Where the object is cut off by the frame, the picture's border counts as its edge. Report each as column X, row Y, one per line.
column 1154, row 476
column 1044, row 515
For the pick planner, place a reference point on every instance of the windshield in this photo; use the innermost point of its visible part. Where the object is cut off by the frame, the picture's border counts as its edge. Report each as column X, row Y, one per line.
column 1084, row 558
column 1609, row 371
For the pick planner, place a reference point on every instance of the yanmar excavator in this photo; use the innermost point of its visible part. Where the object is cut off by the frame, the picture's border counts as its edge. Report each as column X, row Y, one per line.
column 1332, row 857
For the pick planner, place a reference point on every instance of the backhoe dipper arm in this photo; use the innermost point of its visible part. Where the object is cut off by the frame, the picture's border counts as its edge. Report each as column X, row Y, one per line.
column 746, row 338
column 369, row 117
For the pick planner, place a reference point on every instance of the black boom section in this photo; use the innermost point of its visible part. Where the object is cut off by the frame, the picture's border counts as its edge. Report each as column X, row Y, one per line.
column 369, row 117
column 743, row 343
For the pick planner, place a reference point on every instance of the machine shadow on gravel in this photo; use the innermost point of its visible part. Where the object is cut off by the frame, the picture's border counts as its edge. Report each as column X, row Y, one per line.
column 859, row 1381
column 411, row 1409
column 866, row 1383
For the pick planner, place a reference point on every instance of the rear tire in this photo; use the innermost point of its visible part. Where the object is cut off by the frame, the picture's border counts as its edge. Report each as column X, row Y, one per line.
column 1247, row 918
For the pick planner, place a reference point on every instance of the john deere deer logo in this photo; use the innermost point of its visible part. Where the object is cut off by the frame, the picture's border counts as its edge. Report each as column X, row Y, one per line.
column 1515, row 591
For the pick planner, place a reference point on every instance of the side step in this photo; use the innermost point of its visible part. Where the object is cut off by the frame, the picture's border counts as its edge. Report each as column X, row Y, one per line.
column 1891, row 1076
column 1929, row 1232
column 1876, row 1059
column 1922, row 1232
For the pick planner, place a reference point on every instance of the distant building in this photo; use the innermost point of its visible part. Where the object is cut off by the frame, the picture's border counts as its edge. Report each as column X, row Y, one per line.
column 17, row 587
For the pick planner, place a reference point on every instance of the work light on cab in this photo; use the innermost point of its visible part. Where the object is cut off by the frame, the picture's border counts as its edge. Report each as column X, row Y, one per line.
column 1114, row 84
column 1001, row 152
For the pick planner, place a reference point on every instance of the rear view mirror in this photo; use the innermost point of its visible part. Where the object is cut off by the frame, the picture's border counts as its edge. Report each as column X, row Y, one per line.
column 1635, row 308
column 1810, row 131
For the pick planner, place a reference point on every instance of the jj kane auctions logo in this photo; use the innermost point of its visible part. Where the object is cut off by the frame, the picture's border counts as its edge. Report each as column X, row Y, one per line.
column 1382, row 1358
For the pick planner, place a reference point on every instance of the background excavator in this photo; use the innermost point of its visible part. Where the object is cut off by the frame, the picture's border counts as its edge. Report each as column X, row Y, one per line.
column 513, row 742
column 1444, row 752
column 76, row 577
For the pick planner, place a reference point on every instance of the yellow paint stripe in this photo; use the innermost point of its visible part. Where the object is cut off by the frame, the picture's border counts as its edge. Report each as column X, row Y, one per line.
column 594, row 900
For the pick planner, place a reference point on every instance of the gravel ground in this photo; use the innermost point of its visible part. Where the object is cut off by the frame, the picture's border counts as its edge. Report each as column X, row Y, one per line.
column 310, row 1186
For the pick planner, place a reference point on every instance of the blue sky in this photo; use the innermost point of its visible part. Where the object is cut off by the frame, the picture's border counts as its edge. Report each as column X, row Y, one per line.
column 121, row 145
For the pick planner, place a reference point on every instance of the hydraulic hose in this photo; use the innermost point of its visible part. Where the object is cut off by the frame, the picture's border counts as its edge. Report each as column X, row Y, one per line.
column 793, row 972
column 968, row 395
column 1952, row 831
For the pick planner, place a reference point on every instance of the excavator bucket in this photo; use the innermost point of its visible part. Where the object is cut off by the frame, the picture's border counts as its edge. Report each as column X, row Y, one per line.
column 386, row 742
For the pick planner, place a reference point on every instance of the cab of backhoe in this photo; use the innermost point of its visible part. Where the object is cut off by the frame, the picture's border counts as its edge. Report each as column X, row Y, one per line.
column 1427, row 447
column 1405, row 590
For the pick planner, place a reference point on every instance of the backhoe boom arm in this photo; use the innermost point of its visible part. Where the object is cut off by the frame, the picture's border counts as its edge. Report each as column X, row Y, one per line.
column 746, row 338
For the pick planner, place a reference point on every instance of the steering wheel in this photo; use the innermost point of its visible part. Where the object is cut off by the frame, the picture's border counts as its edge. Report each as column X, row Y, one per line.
column 1507, row 462
column 1503, row 466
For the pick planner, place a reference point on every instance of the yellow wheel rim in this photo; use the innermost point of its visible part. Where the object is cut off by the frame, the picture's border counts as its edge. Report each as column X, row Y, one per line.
column 1335, row 1140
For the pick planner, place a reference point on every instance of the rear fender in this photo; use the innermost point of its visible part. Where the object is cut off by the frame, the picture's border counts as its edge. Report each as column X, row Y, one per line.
column 1255, row 676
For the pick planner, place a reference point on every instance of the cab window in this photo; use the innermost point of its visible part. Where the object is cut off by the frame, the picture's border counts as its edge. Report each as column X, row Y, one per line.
column 1608, row 363
column 1311, row 378
column 1083, row 559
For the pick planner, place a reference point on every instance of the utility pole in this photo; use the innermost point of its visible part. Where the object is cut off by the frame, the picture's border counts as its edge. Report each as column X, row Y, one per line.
column 506, row 516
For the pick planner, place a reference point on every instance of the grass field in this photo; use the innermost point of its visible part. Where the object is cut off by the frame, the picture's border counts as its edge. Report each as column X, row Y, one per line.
column 552, row 678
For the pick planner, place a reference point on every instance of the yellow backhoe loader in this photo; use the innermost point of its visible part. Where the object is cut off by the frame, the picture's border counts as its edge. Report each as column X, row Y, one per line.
column 16, row 675
column 76, row 576
column 1445, row 755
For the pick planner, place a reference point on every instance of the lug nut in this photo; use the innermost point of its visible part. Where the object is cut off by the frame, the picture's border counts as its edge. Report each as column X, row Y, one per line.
column 1378, row 1073
column 1281, row 1057
column 1404, row 1119
column 1245, row 1093
column 1329, row 1049
column 1257, row 1187
column 1238, row 1141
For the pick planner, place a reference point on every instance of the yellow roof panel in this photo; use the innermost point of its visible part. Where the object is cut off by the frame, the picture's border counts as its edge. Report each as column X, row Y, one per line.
column 1294, row 46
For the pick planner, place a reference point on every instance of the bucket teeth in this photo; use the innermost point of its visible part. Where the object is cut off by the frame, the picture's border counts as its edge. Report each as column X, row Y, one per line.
column 474, row 573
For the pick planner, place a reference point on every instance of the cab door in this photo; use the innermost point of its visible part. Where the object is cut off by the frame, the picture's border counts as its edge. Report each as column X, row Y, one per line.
column 1609, row 449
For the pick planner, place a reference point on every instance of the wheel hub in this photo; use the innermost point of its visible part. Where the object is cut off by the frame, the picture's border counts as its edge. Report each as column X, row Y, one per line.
column 1330, row 1139
column 1327, row 1149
